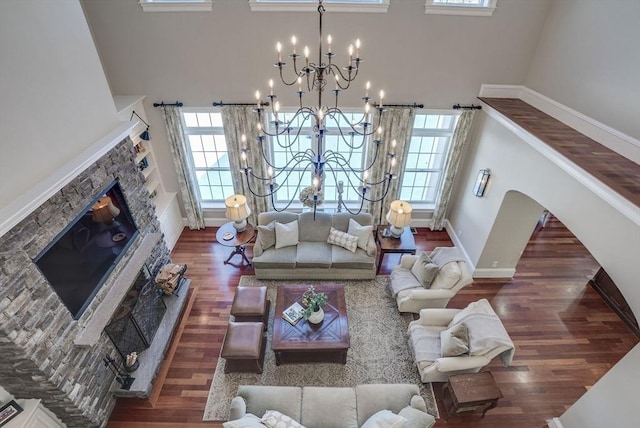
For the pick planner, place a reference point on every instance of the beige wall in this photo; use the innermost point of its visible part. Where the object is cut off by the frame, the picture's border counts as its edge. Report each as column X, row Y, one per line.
column 54, row 98
column 517, row 216
column 588, row 58
column 227, row 54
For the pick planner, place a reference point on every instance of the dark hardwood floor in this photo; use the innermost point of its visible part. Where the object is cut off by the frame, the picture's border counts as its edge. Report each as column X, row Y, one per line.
column 566, row 336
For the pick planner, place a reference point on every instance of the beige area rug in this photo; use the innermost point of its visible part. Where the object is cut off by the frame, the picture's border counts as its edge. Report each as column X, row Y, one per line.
column 379, row 350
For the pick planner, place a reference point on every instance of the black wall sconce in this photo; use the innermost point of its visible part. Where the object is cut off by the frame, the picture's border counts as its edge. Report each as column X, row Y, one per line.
column 146, row 135
column 123, row 378
column 481, row 182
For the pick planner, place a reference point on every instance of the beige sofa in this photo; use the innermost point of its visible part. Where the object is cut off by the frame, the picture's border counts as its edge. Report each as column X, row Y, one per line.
column 326, row 407
column 313, row 257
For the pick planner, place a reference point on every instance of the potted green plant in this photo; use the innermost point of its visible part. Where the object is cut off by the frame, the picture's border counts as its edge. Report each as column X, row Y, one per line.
column 314, row 301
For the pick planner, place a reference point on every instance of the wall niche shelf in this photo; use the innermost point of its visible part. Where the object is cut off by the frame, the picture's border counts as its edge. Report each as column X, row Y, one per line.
column 166, row 203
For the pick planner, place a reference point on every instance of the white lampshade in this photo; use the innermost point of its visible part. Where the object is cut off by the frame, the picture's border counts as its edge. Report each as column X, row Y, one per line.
column 399, row 216
column 237, row 210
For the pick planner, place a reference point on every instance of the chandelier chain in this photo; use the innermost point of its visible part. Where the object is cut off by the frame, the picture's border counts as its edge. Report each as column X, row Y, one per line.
column 286, row 131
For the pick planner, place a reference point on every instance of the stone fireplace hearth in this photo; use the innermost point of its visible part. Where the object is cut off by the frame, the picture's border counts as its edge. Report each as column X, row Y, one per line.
column 138, row 317
column 45, row 354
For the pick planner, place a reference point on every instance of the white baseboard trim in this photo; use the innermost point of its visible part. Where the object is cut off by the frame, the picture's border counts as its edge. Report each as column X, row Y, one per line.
column 426, row 222
column 456, row 242
column 554, row 423
column 477, row 273
column 493, row 273
column 213, row 222
column 175, row 235
column 501, row 91
column 611, row 138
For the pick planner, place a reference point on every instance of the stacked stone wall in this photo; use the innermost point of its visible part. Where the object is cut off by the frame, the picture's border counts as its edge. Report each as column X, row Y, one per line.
column 37, row 353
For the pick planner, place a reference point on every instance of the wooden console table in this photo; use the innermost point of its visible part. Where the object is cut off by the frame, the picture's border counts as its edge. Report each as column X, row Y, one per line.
column 470, row 393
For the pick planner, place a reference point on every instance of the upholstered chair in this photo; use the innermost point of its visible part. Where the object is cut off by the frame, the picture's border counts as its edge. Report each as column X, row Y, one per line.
column 413, row 292
column 454, row 341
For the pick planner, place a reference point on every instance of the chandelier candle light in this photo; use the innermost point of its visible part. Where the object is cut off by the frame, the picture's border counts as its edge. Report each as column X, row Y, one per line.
column 285, row 130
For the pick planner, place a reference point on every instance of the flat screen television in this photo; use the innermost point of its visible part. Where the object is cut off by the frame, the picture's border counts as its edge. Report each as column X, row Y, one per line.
column 80, row 258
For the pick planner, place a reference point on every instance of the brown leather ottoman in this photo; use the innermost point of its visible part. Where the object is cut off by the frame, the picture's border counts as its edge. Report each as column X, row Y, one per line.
column 250, row 304
column 243, row 347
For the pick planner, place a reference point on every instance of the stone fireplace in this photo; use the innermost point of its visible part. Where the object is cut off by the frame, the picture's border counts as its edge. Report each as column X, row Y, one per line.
column 136, row 321
column 45, row 353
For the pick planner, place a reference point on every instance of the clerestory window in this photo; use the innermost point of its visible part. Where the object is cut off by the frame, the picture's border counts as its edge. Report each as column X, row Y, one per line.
column 461, row 7
column 380, row 6
column 176, row 5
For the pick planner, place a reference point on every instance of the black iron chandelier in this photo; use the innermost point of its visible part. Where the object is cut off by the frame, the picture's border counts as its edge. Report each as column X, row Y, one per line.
column 286, row 129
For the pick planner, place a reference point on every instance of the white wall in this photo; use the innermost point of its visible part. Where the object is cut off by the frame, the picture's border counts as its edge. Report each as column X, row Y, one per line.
column 588, row 58
column 227, row 54
column 54, row 98
column 613, row 401
column 516, row 218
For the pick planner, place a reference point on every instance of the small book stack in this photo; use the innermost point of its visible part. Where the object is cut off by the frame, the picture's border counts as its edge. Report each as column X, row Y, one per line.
column 293, row 313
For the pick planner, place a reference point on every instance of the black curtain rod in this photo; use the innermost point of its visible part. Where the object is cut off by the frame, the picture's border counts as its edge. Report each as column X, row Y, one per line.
column 471, row 107
column 163, row 104
column 414, row 105
column 264, row 103
column 221, row 104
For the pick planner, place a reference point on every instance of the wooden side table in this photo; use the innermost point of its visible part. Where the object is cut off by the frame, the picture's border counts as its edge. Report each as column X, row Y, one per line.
column 406, row 244
column 470, row 393
column 239, row 240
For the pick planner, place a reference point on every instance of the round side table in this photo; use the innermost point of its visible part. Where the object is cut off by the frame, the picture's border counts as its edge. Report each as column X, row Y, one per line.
column 236, row 239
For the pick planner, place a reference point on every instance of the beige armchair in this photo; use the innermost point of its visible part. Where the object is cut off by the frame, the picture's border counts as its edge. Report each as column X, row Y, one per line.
column 412, row 296
column 453, row 341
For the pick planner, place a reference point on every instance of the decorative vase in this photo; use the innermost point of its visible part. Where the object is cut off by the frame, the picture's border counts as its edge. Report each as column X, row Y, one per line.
column 316, row 317
column 133, row 367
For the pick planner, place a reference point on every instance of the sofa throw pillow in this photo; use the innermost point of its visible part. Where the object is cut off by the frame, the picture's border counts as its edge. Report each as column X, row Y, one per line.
column 268, row 235
column 385, row 419
column 447, row 277
column 286, row 234
column 454, row 341
column 416, row 418
column 343, row 239
column 247, row 421
column 362, row 232
column 424, row 270
column 275, row 419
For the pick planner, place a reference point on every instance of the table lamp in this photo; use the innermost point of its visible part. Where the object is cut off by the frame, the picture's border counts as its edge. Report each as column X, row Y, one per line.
column 399, row 216
column 237, row 210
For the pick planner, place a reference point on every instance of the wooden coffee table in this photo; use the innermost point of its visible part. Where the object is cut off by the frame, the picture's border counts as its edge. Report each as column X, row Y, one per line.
column 305, row 342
